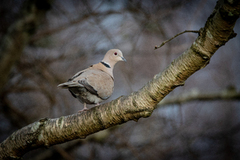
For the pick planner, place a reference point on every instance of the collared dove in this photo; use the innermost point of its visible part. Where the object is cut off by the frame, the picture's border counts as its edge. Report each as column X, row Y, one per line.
column 96, row 83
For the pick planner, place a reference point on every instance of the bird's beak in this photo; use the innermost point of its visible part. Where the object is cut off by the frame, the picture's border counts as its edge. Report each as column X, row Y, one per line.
column 124, row 59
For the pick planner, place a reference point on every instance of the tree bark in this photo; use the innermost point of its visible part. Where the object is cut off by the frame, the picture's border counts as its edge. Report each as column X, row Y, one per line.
column 47, row 132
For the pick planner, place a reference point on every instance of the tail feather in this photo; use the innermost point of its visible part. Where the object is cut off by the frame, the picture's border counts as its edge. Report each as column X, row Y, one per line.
column 70, row 84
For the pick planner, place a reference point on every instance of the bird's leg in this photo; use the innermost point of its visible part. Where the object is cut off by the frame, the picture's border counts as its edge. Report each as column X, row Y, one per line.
column 84, row 108
column 97, row 104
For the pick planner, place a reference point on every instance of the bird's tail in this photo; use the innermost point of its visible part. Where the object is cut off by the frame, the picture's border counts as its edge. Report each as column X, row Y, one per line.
column 69, row 84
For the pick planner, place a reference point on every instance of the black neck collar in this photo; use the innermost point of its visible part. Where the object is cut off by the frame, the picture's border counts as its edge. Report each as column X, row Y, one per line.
column 106, row 65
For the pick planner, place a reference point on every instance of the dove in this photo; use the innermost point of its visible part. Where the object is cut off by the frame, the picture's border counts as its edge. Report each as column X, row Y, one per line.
column 96, row 83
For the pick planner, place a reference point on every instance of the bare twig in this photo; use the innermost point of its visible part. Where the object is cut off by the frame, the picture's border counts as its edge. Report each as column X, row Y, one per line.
column 163, row 43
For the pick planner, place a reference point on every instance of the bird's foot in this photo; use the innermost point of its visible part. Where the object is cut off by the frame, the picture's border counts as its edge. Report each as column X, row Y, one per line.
column 84, row 109
column 97, row 104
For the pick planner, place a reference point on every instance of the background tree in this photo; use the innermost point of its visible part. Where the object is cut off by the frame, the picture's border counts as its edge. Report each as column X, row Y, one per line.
column 77, row 34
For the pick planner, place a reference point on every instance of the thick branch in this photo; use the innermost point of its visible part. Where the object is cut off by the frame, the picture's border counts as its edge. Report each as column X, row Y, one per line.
column 47, row 132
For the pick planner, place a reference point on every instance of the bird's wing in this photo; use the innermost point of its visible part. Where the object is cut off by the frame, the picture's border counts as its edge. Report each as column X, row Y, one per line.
column 94, row 80
column 99, row 82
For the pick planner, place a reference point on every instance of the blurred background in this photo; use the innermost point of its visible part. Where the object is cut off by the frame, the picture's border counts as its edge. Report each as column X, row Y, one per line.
column 200, row 120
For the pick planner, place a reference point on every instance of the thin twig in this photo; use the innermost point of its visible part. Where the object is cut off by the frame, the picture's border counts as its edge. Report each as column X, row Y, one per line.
column 163, row 43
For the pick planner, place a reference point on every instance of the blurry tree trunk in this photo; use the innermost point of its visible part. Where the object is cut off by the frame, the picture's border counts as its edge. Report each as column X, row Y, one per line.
column 47, row 132
column 19, row 34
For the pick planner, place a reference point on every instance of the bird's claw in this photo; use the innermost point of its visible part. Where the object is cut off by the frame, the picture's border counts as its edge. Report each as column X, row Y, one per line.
column 84, row 109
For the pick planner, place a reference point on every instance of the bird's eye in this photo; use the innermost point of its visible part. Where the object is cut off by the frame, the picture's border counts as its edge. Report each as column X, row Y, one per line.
column 115, row 53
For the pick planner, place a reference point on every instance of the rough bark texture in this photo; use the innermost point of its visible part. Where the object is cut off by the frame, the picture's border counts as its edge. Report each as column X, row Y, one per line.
column 47, row 132
column 19, row 34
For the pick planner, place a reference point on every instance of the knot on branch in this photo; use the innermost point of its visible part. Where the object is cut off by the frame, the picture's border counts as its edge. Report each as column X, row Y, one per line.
column 199, row 51
column 137, row 114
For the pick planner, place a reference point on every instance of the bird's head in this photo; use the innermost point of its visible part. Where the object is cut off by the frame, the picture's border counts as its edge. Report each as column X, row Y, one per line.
column 113, row 56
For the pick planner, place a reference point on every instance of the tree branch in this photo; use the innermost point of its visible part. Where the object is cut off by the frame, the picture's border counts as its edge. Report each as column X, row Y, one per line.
column 47, row 132
column 197, row 96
